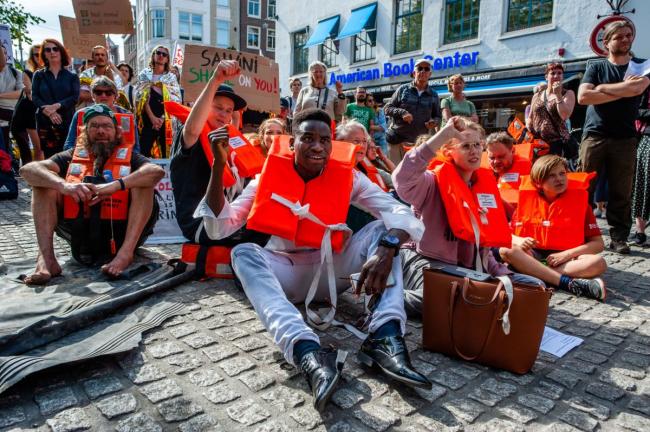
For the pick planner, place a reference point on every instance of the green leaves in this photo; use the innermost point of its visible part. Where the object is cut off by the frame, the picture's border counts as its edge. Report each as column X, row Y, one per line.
column 18, row 19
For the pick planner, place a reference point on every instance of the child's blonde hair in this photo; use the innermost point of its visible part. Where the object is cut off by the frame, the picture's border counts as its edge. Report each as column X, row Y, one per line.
column 468, row 125
column 544, row 165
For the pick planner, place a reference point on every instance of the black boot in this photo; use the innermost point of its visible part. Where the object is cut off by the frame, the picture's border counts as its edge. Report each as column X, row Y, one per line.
column 392, row 357
column 322, row 369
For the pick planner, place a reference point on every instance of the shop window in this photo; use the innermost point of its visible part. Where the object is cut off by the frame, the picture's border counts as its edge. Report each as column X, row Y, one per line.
column 329, row 52
column 461, row 20
column 408, row 25
column 254, row 8
column 190, row 26
column 158, row 23
column 364, row 45
column 300, row 53
column 523, row 14
column 253, row 37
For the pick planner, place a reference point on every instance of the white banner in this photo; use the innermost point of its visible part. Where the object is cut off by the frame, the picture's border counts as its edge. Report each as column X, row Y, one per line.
column 5, row 40
column 166, row 230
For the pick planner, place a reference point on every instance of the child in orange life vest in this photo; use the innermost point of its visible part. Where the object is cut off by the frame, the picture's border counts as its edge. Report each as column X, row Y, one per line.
column 268, row 129
column 575, row 269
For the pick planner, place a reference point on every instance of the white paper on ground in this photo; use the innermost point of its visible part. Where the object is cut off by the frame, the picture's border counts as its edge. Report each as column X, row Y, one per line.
column 639, row 69
column 558, row 344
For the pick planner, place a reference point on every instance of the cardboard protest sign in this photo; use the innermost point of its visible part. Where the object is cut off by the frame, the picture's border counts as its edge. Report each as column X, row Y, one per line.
column 166, row 230
column 258, row 82
column 104, row 16
column 5, row 41
column 78, row 45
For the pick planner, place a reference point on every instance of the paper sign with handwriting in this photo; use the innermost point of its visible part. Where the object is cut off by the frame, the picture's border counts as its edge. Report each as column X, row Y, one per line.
column 78, row 45
column 257, row 83
column 104, row 16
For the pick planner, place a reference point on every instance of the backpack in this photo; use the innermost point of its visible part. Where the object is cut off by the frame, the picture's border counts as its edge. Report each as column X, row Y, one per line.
column 8, row 183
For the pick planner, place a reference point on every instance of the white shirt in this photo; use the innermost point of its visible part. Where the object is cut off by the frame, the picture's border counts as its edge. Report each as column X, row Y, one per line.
column 365, row 195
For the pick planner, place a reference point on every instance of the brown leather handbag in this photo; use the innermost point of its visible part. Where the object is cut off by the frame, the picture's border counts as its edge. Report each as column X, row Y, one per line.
column 469, row 315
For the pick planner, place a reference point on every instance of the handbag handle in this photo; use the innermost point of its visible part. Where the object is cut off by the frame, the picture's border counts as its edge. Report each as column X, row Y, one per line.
column 452, row 303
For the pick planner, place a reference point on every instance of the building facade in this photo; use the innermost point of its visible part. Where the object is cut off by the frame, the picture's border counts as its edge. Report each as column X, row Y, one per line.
column 257, row 27
column 201, row 22
column 499, row 46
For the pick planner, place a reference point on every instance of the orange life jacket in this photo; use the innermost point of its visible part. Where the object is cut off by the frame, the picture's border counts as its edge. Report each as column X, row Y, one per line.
column 558, row 225
column 373, row 174
column 532, row 149
column 328, row 195
column 119, row 164
column 508, row 182
column 460, row 201
column 217, row 259
column 517, row 129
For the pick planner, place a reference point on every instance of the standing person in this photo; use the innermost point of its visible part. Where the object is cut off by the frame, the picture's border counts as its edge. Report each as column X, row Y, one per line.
column 549, row 111
column 126, row 71
column 318, row 95
column 24, row 119
column 414, row 109
column 456, row 104
column 102, row 66
column 295, row 85
column 177, row 73
column 609, row 136
column 379, row 128
column 359, row 110
column 11, row 87
column 156, row 84
column 55, row 91
column 641, row 194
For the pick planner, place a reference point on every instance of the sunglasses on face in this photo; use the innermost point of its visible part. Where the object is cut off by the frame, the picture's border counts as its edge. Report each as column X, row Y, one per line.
column 161, row 53
column 103, row 92
column 423, row 69
column 53, row 49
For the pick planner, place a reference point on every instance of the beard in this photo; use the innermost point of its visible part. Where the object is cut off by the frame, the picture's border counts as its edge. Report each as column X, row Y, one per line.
column 102, row 151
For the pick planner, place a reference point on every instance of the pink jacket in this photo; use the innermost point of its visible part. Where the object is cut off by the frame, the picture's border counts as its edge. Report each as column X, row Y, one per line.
column 417, row 186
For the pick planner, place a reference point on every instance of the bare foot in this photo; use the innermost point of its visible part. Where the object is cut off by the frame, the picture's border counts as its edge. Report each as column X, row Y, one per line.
column 46, row 269
column 117, row 265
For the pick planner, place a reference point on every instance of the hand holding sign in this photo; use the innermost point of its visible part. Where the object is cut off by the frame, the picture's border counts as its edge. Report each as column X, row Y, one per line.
column 226, row 69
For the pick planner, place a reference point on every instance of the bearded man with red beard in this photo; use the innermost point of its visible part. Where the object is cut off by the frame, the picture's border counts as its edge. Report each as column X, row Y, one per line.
column 99, row 197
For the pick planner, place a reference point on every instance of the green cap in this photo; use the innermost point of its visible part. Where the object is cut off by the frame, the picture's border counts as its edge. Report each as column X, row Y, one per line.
column 97, row 110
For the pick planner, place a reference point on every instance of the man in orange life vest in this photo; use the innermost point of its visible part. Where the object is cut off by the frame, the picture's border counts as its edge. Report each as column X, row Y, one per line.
column 102, row 177
column 312, row 171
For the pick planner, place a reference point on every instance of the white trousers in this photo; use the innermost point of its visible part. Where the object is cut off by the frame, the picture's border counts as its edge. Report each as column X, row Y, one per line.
column 275, row 281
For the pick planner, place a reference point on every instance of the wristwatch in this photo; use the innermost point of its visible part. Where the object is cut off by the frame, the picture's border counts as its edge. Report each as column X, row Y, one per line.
column 390, row 241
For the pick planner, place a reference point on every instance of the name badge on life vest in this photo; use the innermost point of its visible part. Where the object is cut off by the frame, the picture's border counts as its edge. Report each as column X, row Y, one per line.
column 486, row 200
column 75, row 169
column 125, row 171
column 236, row 142
column 125, row 125
column 121, row 153
column 82, row 153
column 510, row 177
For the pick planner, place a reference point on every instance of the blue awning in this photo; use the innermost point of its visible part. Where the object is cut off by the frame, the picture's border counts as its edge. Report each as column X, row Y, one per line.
column 361, row 18
column 325, row 29
column 516, row 85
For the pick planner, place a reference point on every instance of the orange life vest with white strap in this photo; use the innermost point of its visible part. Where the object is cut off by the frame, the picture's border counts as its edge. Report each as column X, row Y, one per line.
column 216, row 260
column 327, row 196
column 373, row 174
column 119, row 164
column 557, row 225
column 508, row 182
column 461, row 201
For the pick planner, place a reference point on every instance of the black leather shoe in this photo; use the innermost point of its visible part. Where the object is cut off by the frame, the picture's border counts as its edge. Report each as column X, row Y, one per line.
column 322, row 369
column 392, row 357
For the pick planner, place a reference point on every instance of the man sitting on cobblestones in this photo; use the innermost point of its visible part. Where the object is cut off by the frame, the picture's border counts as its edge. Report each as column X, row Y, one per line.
column 287, row 271
column 115, row 187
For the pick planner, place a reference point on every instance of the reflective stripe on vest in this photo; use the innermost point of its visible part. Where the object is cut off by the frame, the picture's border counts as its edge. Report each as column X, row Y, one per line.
column 558, row 225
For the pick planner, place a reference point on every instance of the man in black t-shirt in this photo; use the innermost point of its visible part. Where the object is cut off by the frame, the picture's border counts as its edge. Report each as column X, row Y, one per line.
column 190, row 170
column 609, row 137
column 55, row 194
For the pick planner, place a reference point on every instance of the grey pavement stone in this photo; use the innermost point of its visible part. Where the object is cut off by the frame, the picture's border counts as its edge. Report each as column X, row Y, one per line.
column 144, row 373
column 274, row 426
column 499, row 388
column 466, row 371
column 519, row 379
column 216, row 322
column 601, row 348
column 164, row 349
column 640, row 404
column 220, row 393
column 370, row 386
column 579, row 419
column 219, row 352
column 139, row 422
column 73, row 419
column 578, row 366
column 184, row 362
column 590, row 406
column 202, row 314
column 432, row 394
column 183, row 330
column 230, row 333
column 256, row 380
column 485, row 397
column 633, row 422
column 174, row 321
column 638, row 349
column 201, row 423
column 430, row 357
column 283, row 398
column 376, row 417
column 536, row 402
column 496, row 424
column 308, row 417
column 591, row 357
column 117, row 405
column 199, row 340
column 11, row 414
column 605, row 391
column 236, row 365
column 609, row 338
column 619, row 380
column 400, row 404
column 518, row 413
column 250, row 343
column 54, row 400
column 563, row 377
column 161, row 390
column 178, row 409
column 96, row 387
column 247, row 412
column 345, row 398
column 267, row 355
column 638, row 360
column 204, row 377
column 549, row 390
column 423, row 367
column 464, row 409
column 448, row 379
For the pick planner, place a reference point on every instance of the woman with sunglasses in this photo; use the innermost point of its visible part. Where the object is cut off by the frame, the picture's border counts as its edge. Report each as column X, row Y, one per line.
column 55, row 92
column 155, row 85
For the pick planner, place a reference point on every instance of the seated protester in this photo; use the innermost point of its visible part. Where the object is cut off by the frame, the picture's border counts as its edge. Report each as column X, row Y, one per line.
column 190, row 169
column 104, row 92
column 459, row 142
column 268, row 129
column 354, row 132
column 508, row 167
column 561, row 250
column 104, row 178
column 384, row 165
column 279, row 275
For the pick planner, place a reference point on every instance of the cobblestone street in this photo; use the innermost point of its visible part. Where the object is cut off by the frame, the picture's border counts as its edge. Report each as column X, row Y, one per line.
column 216, row 369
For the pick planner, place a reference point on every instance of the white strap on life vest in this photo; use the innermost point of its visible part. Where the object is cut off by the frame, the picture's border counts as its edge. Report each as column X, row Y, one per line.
column 326, row 257
column 233, row 191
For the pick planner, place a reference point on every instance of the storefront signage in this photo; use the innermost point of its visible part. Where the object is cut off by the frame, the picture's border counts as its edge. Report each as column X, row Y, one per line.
column 390, row 69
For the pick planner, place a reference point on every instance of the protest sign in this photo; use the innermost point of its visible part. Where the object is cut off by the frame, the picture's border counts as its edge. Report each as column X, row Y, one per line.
column 104, row 16
column 5, row 40
column 166, row 230
column 258, row 82
column 78, row 45
column 177, row 57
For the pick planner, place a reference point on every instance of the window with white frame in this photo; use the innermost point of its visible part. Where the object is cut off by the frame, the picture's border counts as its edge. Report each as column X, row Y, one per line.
column 329, row 53
column 271, row 10
column 523, row 14
column 190, row 26
column 158, row 23
column 252, row 37
column 223, row 33
column 408, row 25
column 300, row 53
column 254, row 8
column 270, row 39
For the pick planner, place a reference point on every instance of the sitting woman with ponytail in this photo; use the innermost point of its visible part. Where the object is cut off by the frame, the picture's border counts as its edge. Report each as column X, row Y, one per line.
column 458, row 201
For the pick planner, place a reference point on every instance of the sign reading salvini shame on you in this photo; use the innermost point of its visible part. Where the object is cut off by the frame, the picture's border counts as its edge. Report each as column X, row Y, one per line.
column 389, row 70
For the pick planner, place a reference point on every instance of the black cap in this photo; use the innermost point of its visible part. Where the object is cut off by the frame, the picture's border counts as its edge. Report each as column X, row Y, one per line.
column 227, row 91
